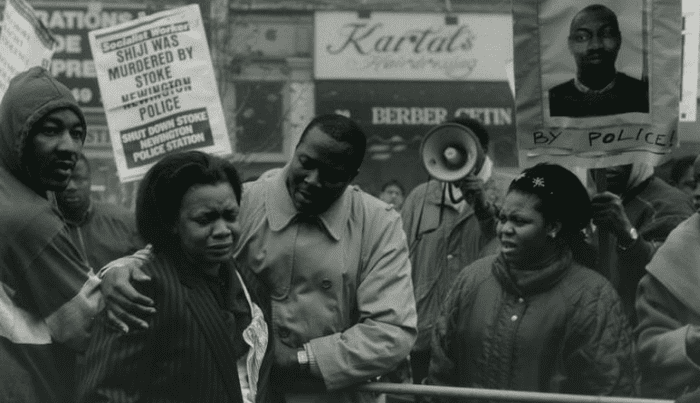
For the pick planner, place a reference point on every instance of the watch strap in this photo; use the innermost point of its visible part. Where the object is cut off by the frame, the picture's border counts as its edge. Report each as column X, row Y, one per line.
column 634, row 235
column 303, row 358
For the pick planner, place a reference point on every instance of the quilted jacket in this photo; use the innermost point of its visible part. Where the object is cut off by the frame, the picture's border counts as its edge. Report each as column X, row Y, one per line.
column 559, row 328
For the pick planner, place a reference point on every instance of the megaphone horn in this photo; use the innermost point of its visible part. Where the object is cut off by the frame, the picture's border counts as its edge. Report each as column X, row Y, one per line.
column 450, row 152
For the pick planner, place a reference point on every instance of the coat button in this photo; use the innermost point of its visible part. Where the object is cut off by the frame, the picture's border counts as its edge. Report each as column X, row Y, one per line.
column 326, row 283
column 514, row 318
column 283, row 332
column 521, row 300
column 450, row 257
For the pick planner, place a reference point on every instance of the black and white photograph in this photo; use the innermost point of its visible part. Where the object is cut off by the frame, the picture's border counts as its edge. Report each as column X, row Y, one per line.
column 593, row 60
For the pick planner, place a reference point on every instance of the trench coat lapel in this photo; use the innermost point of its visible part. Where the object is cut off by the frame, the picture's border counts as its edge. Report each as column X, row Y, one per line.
column 205, row 311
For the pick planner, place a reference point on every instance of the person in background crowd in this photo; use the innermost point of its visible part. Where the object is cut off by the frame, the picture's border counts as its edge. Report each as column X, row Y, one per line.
column 534, row 317
column 48, row 294
column 335, row 260
column 210, row 323
column 683, row 174
column 696, row 191
column 443, row 238
column 103, row 231
column 640, row 210
column 393, row 193
column 668, row 308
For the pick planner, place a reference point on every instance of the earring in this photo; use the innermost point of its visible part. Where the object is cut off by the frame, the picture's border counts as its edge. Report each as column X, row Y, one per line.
column 552, row 235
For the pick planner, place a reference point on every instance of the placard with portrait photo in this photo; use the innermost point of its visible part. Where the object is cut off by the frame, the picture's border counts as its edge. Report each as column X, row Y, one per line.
column 592, row 84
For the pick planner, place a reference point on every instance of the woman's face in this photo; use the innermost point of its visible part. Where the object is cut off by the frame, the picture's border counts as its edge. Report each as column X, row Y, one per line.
column 522, row 229
column 208, row 226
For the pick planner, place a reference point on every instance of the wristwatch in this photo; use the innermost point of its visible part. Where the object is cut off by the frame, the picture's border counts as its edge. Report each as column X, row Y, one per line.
column 303, row 358
column 634, row 235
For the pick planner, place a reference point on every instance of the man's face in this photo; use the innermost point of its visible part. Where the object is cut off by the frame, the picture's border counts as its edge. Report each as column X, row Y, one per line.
column 76, row 196
column 617, row 178
column 594, row 39
column 393, row 195
column 320, row 170
column 53, row 147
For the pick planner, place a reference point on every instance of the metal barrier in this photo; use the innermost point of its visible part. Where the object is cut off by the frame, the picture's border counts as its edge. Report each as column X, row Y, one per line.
column 491, row 394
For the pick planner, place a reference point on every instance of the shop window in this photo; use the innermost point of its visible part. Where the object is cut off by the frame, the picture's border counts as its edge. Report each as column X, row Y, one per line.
column 259, row 118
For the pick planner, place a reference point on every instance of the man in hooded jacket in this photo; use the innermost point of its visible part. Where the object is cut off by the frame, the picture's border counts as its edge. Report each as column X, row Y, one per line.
column 48, row 294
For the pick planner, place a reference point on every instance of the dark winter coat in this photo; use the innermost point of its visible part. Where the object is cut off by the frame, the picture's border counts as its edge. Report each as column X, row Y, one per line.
column 558, row 329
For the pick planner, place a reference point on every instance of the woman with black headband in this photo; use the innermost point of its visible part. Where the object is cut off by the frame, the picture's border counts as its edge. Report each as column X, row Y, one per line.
column 534, row 317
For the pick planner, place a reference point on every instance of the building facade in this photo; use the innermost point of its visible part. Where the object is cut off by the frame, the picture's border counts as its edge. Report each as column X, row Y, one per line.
column 274, row 76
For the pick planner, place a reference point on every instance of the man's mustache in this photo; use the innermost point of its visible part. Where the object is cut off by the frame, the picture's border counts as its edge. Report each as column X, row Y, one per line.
column 598, row 54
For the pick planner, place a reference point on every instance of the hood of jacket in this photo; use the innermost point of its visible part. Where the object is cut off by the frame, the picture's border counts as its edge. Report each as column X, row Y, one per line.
column 30, row 96
column 675, row 264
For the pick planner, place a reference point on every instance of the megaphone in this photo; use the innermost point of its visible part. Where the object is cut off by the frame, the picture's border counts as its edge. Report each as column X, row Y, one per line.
column 450, row 152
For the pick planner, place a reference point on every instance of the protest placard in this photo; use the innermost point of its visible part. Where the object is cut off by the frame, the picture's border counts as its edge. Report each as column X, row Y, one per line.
column 24, row 42
column 158, row 89
column 69, row 23
column 595, row 97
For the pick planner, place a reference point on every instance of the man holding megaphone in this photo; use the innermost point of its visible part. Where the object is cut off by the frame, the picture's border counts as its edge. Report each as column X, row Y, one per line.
column 449, row 220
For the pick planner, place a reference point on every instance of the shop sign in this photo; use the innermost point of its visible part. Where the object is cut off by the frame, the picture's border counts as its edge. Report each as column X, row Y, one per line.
column 412, row 46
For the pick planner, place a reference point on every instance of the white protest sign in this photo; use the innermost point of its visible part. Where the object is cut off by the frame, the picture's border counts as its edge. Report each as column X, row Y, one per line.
column 24, row 42
column 158, row 89
column 689, row 79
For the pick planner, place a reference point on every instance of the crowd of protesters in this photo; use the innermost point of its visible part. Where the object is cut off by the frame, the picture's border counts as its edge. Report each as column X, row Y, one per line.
column 298, row 286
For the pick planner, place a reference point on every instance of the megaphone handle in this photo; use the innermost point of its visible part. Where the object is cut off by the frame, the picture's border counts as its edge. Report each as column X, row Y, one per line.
column 452, row 196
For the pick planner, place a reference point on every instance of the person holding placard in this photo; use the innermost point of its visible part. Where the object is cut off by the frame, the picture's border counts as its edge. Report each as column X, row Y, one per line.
column 640, row 210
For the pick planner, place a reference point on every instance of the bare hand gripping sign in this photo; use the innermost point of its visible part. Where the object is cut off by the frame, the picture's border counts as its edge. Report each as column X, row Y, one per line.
column 594, row 88
column 158, row 89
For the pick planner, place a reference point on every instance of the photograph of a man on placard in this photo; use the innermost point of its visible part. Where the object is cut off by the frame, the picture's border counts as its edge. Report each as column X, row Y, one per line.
column 599, row 87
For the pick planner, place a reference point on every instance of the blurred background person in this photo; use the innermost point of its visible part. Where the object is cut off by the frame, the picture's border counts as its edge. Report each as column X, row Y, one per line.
column 668, row 308
column 682, row 175
column 208, row 341
column 534, row 317
column 696, row 191
column 639, row 210
column 103, row 231
column 393, row 193
column 444, row 237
